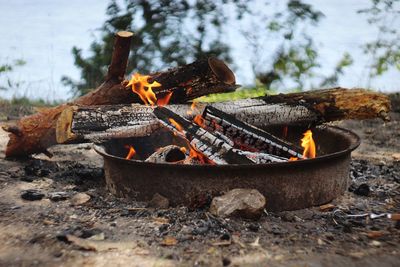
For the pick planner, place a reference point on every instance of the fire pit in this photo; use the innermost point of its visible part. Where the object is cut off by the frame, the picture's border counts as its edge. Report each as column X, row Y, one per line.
column 286, row 185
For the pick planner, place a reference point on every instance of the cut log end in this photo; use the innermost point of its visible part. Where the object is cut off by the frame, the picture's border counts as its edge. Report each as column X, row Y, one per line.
column 222, row 71
column 64, row 123
column 125, row 34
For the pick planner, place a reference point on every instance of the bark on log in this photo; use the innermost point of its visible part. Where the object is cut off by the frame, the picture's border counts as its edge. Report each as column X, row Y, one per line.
column 213, row 148
column 247, row 136
column 35, row 133
column 94, row 123
column 217, row 148
column 199, row 78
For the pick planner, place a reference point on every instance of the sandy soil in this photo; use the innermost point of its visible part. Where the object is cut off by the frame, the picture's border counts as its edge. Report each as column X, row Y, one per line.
column 106, row 231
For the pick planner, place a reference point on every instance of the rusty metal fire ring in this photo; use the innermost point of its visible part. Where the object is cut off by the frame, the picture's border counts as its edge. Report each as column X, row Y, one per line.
column 286, row 185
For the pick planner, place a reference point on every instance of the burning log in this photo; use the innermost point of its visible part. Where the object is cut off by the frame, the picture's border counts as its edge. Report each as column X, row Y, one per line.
column 138, row 120
column 216, row 147
column 171, row 154
column 35, row 133
column 246, row 135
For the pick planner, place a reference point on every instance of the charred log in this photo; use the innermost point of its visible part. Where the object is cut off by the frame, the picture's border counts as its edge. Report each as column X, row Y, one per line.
column 246, row 135
column 216, row 148
column 167, row 154
column 137, row 120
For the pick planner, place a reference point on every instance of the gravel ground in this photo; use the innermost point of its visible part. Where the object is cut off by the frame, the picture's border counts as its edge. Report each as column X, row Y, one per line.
column 76, row 222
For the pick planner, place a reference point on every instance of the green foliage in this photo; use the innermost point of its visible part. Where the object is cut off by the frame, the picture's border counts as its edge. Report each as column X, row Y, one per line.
column 332, row 80
column 176, row 32
column 9, row 67
column 385, row 50
column 162, row 37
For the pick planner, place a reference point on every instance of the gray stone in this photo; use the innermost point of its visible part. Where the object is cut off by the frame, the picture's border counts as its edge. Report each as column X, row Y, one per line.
column 246, row 203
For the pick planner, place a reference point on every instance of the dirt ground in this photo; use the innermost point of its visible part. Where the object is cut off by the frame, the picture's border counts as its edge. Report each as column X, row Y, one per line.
column 58, row 230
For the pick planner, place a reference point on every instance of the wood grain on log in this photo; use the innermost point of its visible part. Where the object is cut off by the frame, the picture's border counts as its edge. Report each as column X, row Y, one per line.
column 217, row 148
column 246, row 135
column 138, row 121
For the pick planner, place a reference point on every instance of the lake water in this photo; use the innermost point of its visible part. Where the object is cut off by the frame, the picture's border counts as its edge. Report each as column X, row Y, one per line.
column 43, row 32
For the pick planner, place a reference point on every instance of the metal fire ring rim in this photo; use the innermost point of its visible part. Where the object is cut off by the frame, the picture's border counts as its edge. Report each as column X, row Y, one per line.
column 356, row 141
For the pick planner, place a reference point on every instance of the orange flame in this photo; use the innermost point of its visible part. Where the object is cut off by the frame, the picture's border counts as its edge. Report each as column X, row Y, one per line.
column 192, row 108
column 143, row 88
column 199, row 120
column 177, row 125
column 131, row 153
column 165, row 100
column 307, row 142
column 194, row 154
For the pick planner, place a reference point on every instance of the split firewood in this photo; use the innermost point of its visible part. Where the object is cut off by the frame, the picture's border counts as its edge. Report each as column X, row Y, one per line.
column 217, row 149
column 214, row 149
column 35, row 133
column 79, row 124
column 246, row 135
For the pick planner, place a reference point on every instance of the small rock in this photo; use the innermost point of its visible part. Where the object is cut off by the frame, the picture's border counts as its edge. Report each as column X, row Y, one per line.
column 247, row 203
column 58, row 196
column 362, row 190
column 97, row 237
column 79, row 199
column 32, row 194
column 15, row 171
column 376, row 243
column 159, row 202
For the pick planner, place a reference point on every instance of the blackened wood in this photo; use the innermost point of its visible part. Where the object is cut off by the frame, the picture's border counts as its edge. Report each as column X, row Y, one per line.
column 214, row 148
column 167, row 154
column 202, row 77
column 338, row 103
column 248, row 136
column 257, row 112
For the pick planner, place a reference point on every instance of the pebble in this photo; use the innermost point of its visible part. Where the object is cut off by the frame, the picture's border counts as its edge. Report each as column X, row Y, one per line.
column 58, row 196
column 79, row 199
column 32, row 194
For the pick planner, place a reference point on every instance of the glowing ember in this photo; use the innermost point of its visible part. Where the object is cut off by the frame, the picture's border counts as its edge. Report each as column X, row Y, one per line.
column 192, row 108
column 308, row 144
column 199, row 120
column 143, row 88
column 198, row 156
column 176, row 125
column 131, row 153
